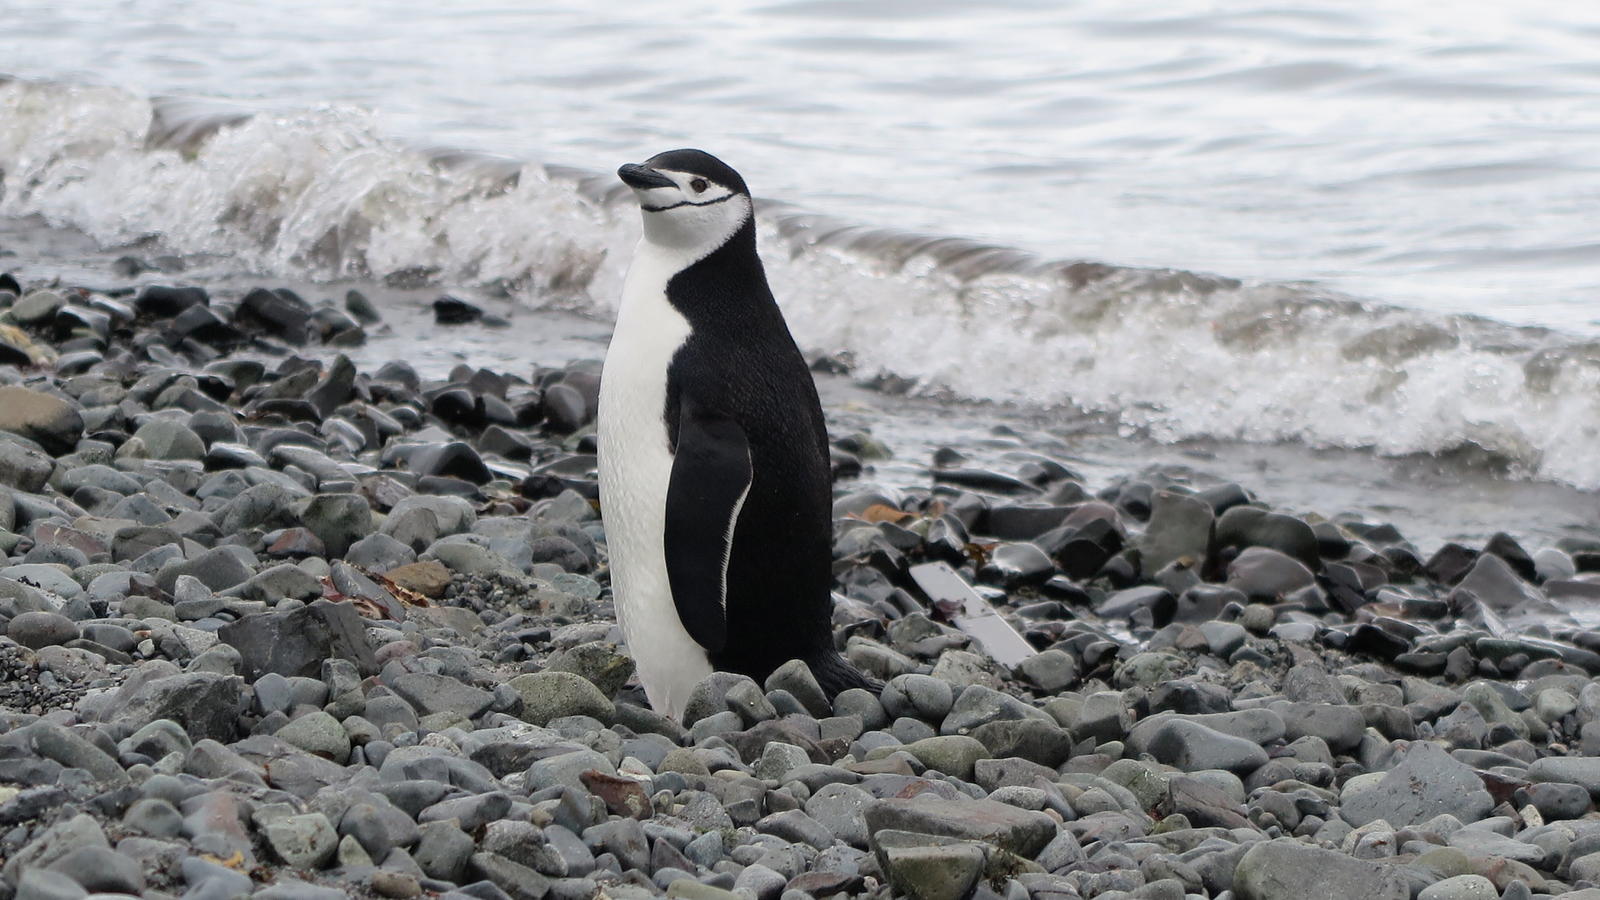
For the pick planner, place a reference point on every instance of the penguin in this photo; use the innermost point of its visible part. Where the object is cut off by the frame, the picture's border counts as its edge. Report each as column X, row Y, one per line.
column 715, row 480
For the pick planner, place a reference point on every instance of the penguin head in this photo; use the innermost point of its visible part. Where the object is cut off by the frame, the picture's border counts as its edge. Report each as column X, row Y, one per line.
column 691, row 200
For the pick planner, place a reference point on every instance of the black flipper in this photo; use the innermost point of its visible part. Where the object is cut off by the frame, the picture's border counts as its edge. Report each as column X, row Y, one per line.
column 711, row 475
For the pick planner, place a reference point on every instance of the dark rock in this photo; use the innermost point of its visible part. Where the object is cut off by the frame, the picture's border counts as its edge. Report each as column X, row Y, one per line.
column 1121, row 605
column 449, row 310
column 168, row 301
column 565, row 409
column 1506, row 547
column 207, row 705
column 454, row 459
column 204, row 324
column 279, row 312
column 338, row 520
column 1250, row 526
column 1262, row 573
column 1014, row 565
column 296, row 642
column 1450, row 563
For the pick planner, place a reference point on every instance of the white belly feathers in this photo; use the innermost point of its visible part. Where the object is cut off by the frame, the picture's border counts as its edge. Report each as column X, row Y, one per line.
column 635, row 468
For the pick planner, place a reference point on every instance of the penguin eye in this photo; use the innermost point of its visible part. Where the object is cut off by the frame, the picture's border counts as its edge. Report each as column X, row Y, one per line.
column 699, row 185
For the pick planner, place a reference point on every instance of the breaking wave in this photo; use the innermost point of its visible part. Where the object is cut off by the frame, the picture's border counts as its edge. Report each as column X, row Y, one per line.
column 1170, row 354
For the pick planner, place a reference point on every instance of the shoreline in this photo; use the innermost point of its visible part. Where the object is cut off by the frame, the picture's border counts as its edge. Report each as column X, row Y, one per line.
column 1432, row 499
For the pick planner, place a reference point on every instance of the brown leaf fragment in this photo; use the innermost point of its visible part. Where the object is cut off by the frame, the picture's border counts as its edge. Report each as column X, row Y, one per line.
column 883, row 512
column 622, row 796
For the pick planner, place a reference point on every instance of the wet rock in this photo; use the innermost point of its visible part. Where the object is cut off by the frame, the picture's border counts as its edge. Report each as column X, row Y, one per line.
column 36, row 307
column 279, row 312
column 168, row 301
column 449, row 310
column 453, row 459
column 1180, row 527
column 1249, row 526
column 1262, row 573
column 1493, row 581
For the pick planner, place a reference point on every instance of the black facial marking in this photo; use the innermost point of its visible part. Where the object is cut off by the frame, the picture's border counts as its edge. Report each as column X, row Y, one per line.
column 686, row 203
column 701, row 163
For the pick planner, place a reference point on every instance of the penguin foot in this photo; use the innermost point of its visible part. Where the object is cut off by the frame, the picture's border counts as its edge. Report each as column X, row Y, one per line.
column 835, row 675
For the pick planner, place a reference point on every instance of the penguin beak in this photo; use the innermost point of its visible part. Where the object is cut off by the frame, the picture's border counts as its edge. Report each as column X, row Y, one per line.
column 643, row 177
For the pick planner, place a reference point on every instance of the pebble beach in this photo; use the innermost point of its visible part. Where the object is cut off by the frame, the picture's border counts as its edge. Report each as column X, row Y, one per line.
column 279, row 625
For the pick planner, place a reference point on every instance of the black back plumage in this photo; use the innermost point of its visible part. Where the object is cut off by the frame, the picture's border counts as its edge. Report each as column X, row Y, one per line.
column 741, row 362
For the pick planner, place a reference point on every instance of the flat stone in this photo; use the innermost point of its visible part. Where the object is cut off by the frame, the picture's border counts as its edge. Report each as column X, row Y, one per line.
column 429, row 693
column 55, row 842
column 841, row 808
column 428, row 578
column 1340, row 726
column 169, row 439
column 1023, row 832
column 74, row 751
column 1262, row 573
column 1428, row 782
column 1583, row 771
column 1284, row 869
column 1461, row 887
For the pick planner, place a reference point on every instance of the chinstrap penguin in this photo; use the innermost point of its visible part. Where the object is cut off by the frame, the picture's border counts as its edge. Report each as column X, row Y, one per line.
column 714, row 467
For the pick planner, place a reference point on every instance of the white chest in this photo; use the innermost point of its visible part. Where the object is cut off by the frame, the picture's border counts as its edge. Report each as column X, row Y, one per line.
column 635, row 465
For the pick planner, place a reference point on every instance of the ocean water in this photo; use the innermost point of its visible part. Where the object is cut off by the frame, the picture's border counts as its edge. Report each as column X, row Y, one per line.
column 1338, row 224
